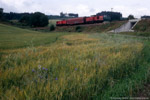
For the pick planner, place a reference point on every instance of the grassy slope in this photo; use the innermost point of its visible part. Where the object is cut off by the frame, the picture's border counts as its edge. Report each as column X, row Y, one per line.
column 105, row 27
column 142, row 28
column 12, row 37
column 76, row 66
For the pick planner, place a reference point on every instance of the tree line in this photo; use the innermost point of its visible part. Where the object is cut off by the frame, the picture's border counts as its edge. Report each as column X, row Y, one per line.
column 36, row 19
column 1, row 13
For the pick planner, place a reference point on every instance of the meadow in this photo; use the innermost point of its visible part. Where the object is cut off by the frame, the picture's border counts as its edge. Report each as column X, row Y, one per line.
column 71, row 66
column 13, row 37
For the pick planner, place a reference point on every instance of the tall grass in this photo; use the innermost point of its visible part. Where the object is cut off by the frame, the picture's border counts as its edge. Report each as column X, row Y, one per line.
column 76, row 66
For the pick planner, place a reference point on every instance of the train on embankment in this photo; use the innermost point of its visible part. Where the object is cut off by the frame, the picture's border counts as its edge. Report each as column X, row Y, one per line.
column 98, row 18
column 82, row 20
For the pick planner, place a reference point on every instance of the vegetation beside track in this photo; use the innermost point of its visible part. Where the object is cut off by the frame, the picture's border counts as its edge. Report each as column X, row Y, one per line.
column 71, row 66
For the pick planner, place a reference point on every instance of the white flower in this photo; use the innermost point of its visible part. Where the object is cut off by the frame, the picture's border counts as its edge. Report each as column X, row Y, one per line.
column 39, row 66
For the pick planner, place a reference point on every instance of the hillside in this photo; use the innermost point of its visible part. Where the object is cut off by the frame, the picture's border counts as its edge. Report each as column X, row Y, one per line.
column 13, row 37
column 72, row 66
column 102, row 27
column 143, row 28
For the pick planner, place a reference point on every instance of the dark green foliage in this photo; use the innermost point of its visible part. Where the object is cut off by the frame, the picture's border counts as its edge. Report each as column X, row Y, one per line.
column 36, row 19
column 78, row 29
column 1, row 13
column 39, row 20
column 130, row 17
column 52, row 27
column 13, row 16
column 25, row 19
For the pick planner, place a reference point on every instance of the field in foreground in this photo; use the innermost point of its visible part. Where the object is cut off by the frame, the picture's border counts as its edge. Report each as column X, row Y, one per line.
column 72, row 66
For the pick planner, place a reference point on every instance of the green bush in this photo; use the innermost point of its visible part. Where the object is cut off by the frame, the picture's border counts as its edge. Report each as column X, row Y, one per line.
column 39, row 19
column 78, row 29
column 52, row 28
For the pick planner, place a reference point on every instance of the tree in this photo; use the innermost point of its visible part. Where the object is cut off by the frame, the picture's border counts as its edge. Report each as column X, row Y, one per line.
column 1, row 13
column 130, row 17
column 52, row 27
column 39, row 19
column 26, row 19
column 36, row 19
column 78, row 29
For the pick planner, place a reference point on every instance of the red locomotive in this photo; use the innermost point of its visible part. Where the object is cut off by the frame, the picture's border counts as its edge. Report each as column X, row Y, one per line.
column 80, row 20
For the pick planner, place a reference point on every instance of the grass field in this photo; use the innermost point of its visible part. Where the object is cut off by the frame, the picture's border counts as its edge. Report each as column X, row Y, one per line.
column 13, row 37
column 43, row 66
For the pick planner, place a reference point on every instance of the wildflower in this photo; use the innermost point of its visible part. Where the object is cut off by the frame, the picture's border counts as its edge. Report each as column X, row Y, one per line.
column 76, row 69
column 43, row 68
column 46, row 69
column 39, row 66
column 56, row 78
column 33, row 70
column 40, row 77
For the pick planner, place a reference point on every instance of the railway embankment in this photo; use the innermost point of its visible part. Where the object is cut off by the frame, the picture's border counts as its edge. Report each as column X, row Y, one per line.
column 99, row 27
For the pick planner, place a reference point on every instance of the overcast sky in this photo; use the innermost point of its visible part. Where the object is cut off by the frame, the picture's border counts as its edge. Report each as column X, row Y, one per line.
column 82, row 7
